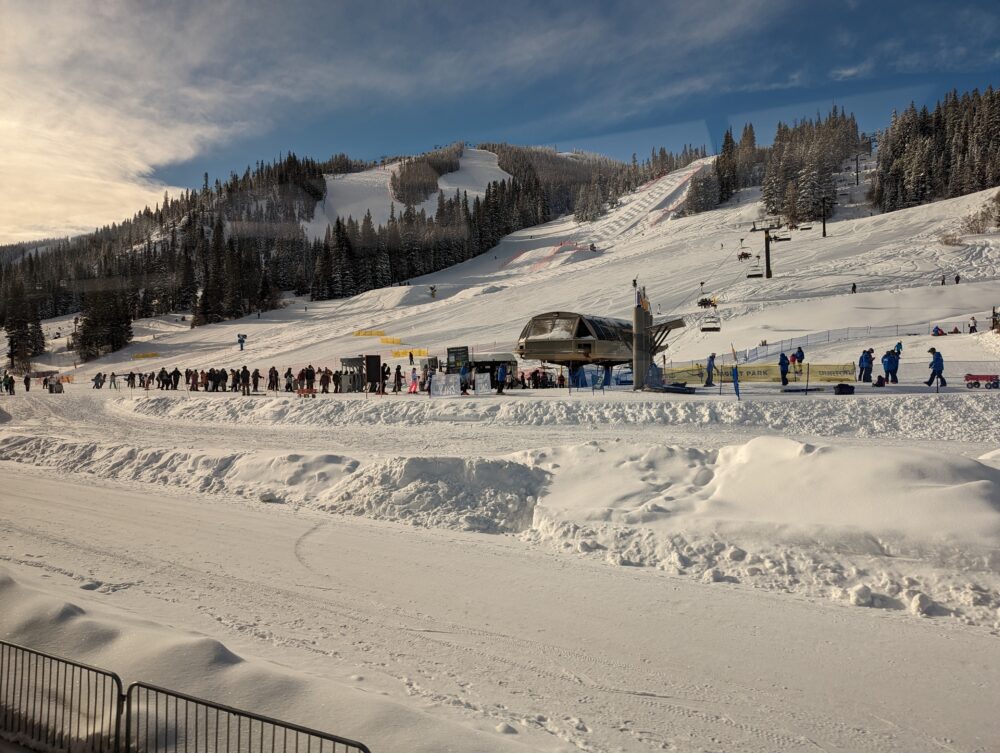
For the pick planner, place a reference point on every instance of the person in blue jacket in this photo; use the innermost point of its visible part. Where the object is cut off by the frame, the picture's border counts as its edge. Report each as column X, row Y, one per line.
column 783, row 367
column 865, row 363
column 710, row 368
column 899, row 349
column 937, row 368
column 501, row 378
column 890, row 364
column 800, row 355
column 463, row 378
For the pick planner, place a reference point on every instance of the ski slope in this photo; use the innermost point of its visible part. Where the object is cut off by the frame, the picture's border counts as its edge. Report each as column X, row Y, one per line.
column 353, row 194
column 548, row 571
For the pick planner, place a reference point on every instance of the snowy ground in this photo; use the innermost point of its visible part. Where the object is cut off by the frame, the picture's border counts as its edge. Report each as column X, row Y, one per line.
column 548, row 571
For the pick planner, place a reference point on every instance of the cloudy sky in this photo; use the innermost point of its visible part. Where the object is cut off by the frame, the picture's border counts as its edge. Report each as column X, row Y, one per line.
column 105, row 105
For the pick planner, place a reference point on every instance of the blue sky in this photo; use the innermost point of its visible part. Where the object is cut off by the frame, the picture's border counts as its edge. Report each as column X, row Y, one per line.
column 117, row 101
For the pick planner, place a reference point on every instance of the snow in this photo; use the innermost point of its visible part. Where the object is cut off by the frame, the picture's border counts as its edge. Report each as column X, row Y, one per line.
column 353, row 194
column 548, row 571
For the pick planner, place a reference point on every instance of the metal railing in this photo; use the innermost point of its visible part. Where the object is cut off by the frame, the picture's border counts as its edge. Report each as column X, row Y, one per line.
column 158, row 720
column 57, row 704
column 53, row 704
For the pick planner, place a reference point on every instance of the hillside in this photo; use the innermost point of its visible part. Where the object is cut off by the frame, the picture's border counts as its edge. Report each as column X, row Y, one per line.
column 353, row 194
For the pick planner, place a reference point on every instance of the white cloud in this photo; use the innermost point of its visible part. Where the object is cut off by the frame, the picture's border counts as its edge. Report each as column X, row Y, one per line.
column 859, row 70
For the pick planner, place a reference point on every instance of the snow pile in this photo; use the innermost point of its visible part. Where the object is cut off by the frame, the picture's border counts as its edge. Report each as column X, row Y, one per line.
column 919, row 531
column 473, row 494
column 963, row 416
column 268, row 476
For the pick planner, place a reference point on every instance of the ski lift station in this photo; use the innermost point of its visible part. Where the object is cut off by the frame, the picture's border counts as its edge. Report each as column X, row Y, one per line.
column 570, row 339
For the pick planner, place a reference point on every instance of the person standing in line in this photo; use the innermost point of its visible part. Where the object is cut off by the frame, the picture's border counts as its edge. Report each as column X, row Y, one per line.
column 710, row 369
column 245, row 381
column 397, row 379
column 937, row 368
column 783, row 368
column 255, row 378
column 501, row 378
column 414, row 382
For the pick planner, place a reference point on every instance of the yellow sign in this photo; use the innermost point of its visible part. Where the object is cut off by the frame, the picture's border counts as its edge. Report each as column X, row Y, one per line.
column 417, row 352
column 693, row 373
column 390, row 340
column 369, row 332
column 145, row 355
column 836, row 372
column 769, row 372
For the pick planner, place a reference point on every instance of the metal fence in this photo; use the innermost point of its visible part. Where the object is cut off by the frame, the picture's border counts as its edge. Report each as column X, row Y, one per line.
column 52, row 704
column 58, row 704
column 158, row 720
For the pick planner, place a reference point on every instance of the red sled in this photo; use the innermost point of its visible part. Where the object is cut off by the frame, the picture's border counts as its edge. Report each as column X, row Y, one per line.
column 989, row 381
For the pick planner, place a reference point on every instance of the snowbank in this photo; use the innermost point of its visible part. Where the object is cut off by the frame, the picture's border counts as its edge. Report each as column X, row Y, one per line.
column 956, row 416
column 772, row 512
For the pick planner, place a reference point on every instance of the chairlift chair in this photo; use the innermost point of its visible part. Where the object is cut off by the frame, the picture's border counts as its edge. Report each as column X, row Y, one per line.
column 711, row 323
column 756, row 271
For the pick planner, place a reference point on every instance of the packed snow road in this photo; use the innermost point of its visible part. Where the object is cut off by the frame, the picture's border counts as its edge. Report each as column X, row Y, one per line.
column 484, row 631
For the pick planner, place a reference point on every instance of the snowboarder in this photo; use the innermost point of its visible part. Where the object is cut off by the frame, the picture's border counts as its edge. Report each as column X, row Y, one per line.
column 783, row 367
column 710, row 369
column 937, row 368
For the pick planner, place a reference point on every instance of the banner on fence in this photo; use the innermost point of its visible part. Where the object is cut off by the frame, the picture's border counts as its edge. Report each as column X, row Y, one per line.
column 483, row 385
column 831, row 372
column 391, row 340
column 404, row 353
column 693, row 373
column 446, row 385
column 136, row 356
column 369, row 332
column 769, row 372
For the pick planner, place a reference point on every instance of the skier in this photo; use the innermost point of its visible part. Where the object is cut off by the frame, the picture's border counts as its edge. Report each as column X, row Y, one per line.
column 245, row 381
column 957, row 279
column 937, row 368
column 27, row 383
column 175, row 378
column 501, row 378
column 384, row 381
column 942, row 280
column 973, row 326
column 854, row 287
column 255, row 378
column 710, row 368
column 414, row 382
column 783, row 367
column 397, row 380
